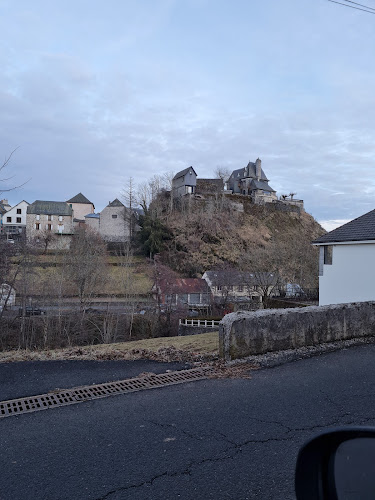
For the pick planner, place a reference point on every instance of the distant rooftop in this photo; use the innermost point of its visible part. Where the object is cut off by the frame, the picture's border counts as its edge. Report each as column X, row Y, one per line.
column 183, row 172
column 115, row 203
column 360, row 229
column 80, row 198
column 49, row 208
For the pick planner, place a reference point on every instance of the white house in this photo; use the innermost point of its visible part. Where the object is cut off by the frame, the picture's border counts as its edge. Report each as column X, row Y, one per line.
column 14, row 220
column 346, row 262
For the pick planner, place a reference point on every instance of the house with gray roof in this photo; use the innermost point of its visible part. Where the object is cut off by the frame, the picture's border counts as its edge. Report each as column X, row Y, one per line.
column 346, row 262
column 184, row 182
column 231, row 285
column 81, row 207
column 252, row 181
column 112, row 223
column 49, row 217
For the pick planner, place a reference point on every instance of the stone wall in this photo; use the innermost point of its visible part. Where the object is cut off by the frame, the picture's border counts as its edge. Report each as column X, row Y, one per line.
column 244, row 334
column 113, row 225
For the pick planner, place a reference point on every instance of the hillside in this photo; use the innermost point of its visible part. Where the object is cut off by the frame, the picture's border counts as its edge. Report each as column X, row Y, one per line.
column 230, row 230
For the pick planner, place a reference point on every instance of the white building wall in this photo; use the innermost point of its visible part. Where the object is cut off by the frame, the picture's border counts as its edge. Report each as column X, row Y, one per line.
column 16, row 219
column 350, row 277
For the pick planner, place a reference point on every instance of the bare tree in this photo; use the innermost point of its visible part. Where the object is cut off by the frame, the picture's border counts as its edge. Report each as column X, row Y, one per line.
column 86, row 265
column 130, row 199
column 222, row 173
column 45, row 239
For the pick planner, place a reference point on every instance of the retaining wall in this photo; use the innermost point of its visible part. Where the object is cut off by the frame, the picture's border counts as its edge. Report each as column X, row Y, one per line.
column 244, row 334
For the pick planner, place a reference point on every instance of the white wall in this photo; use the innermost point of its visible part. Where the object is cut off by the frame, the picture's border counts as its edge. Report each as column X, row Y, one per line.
column 14, row 215
column 351, row 277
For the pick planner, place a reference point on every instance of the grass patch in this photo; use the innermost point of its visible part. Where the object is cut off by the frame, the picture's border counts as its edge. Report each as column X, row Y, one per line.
column 192, row 348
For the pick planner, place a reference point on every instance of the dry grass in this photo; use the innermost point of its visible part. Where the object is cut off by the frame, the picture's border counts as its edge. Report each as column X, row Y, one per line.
column 192, row 348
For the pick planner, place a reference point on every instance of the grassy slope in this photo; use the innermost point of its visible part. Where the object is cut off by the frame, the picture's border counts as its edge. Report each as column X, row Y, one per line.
column 164, row 348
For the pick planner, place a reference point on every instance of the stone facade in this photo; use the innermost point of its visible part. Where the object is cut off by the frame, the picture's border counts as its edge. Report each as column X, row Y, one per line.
column 49, row 216
column 93, row 221
column 113, row 223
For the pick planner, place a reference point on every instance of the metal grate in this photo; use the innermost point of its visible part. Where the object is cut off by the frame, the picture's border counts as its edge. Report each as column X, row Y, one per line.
column 88, row 392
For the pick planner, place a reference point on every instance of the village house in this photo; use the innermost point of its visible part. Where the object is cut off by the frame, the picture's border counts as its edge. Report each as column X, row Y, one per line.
column 81, row 207
column 14, row 220
column 184, row 182
column 230, row 285
column 346, row 262
column 180, row 293
column 50, row 217
column 112, row 223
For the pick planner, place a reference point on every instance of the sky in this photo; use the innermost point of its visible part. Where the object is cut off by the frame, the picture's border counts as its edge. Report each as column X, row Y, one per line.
column 93, row 93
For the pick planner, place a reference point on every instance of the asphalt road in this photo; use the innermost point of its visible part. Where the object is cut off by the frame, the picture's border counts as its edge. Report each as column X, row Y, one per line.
column 212, row 439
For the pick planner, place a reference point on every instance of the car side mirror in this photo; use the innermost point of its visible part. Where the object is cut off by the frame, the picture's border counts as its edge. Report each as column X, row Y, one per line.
column 337, row 465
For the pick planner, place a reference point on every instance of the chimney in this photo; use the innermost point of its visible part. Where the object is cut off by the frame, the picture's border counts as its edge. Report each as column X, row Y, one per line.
column 4, row 202
column 258, row 168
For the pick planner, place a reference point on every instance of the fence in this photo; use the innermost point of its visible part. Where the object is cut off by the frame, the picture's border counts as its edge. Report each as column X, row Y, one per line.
column 201, row 323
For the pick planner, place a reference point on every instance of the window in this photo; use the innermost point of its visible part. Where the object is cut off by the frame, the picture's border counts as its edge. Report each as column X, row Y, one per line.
column 328, row 255
column 19, row 211
column 240, row 288
column 195, row 298
column 183, row 298
column 18, row 220
column 38, row 217
column 60, row 218
column 114, row 216
column 219, row 288
column 49, row 217
column 49, row 227
column 37, row 226
column 9, row 219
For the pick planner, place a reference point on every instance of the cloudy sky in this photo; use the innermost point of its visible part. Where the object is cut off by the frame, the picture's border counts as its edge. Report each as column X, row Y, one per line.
column 93, row 92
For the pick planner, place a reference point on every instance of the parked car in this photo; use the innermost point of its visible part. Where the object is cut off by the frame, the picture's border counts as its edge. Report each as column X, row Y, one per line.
column 31, row 311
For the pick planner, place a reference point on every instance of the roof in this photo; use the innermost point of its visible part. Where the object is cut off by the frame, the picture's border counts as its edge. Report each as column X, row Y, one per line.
column 183, row 285
column 49, row 208
column 261, row 185
column 115, row 203
column 233, row 277
column 252, row 171
column 92, row 216
column 80, row 198
column 183, row 173
column 241, row 173
column 360, row 229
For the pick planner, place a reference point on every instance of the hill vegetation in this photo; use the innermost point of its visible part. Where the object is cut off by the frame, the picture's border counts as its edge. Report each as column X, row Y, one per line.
column 197, row 234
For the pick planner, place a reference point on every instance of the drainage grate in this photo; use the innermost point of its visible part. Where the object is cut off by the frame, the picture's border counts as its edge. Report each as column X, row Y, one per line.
column 85, row 393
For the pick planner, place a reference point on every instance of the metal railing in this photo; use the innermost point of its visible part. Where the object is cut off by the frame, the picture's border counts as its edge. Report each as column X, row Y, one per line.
column 206, row 323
